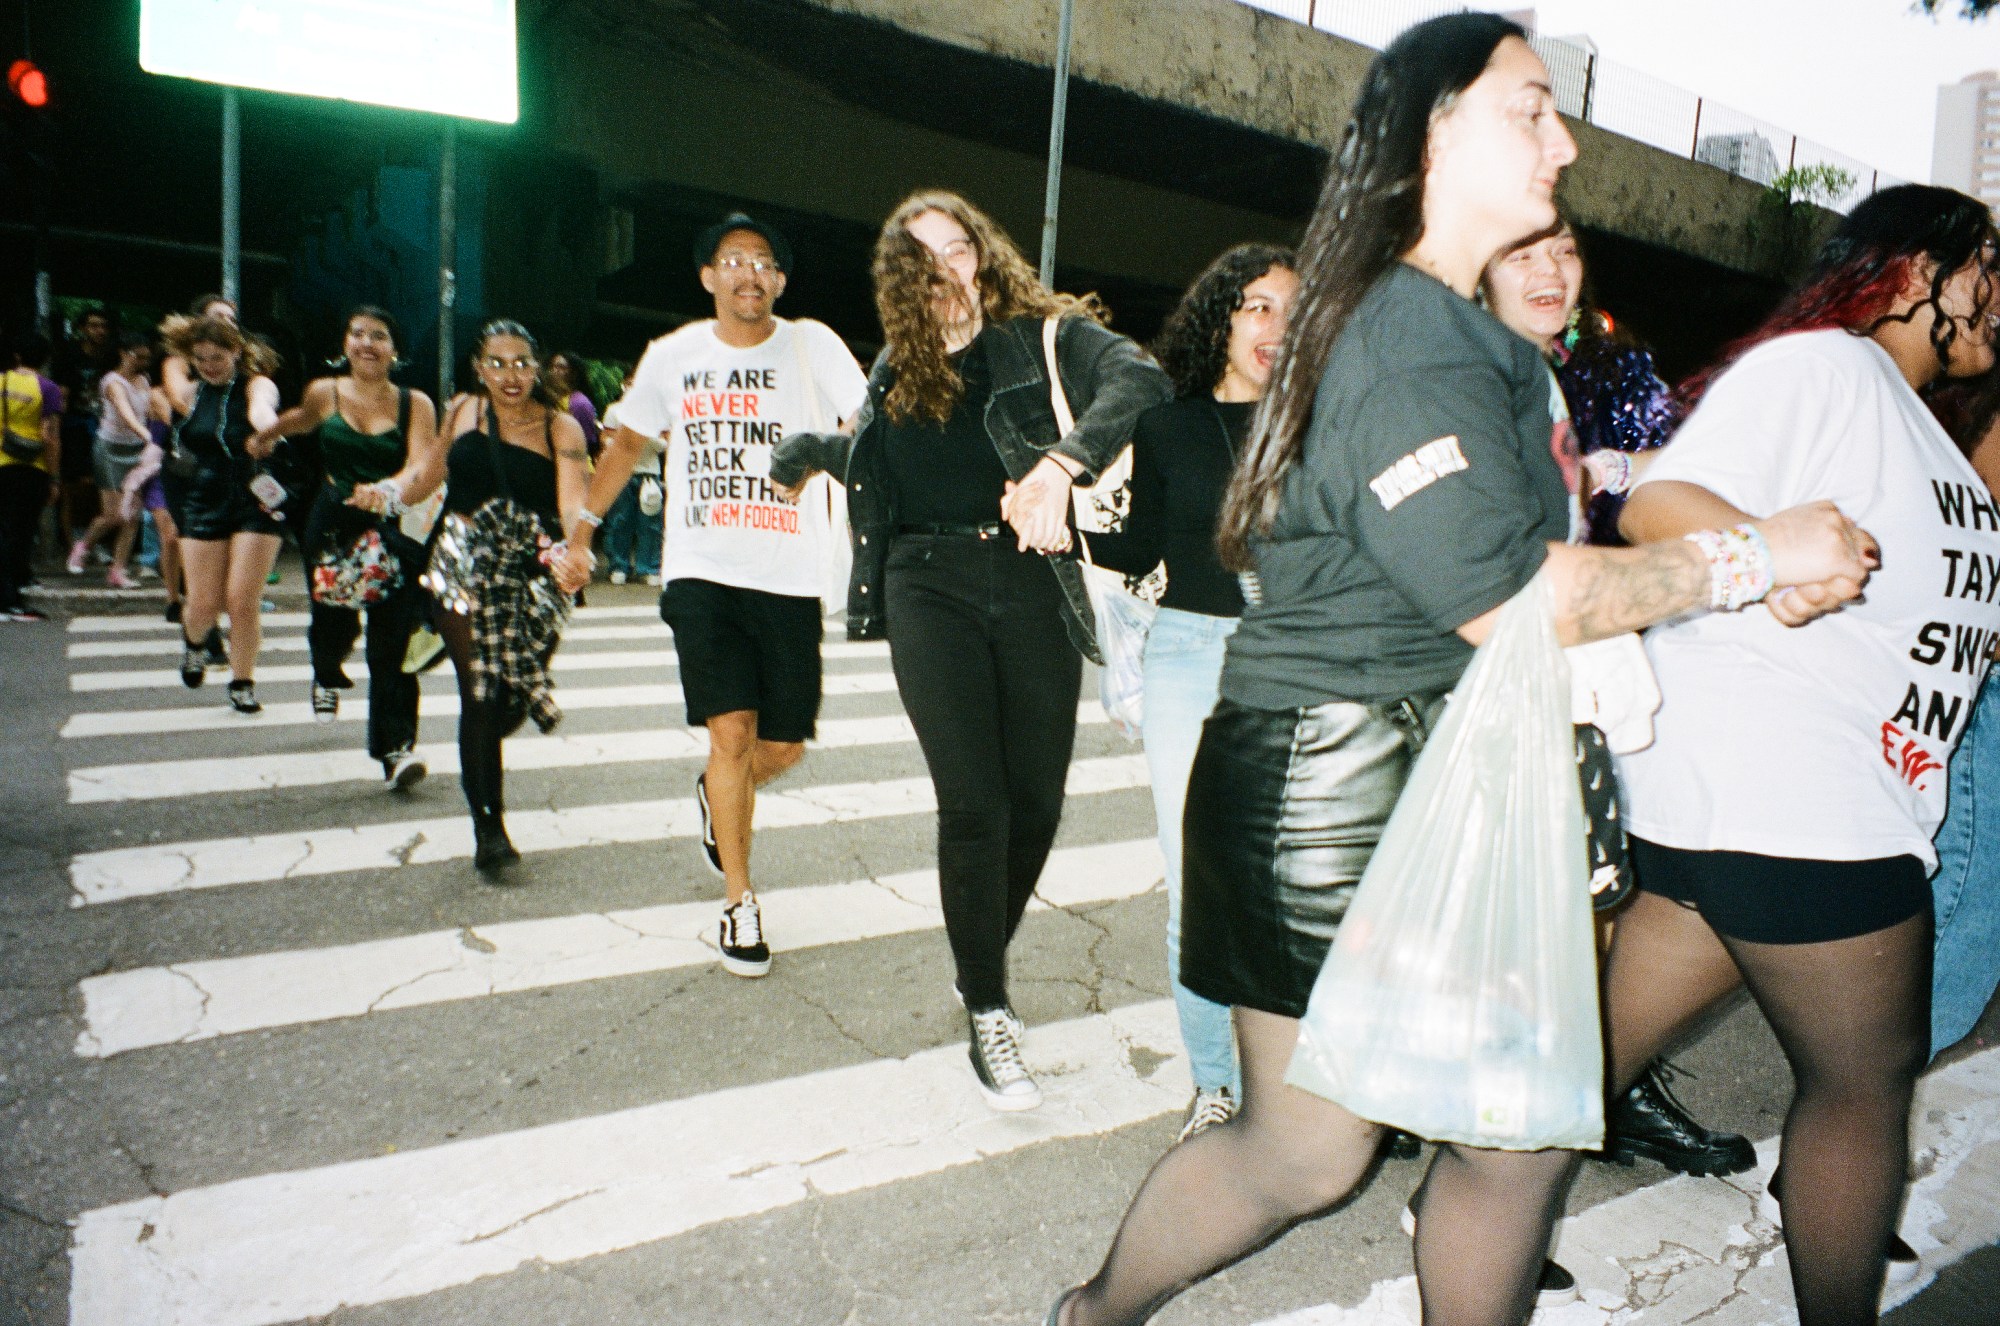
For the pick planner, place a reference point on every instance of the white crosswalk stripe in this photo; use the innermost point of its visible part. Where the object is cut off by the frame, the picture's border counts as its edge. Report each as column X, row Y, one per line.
column 139, row 872
column 192, row 1001
column 162, row 779
column 296, row 644
column 115, row 625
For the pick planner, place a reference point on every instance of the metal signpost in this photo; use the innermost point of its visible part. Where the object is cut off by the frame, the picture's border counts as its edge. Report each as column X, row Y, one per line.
column 1052, row 194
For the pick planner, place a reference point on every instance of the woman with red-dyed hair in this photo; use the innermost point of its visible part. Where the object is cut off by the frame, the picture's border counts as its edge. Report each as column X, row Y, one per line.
column 1781, row 822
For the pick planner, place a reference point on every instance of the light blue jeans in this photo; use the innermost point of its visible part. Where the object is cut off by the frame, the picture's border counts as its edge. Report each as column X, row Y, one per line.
column 1183, row 676
column 1966, row 887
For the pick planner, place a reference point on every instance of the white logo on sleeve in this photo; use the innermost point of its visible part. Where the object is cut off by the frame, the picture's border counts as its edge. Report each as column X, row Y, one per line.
column 1418, row 471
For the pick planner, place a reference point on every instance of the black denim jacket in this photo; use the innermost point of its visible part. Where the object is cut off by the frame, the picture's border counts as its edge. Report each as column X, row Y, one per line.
column 1109, row 380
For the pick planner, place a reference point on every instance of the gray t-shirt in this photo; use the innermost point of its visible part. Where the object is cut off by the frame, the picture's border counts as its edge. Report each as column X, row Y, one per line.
column 1426, row 494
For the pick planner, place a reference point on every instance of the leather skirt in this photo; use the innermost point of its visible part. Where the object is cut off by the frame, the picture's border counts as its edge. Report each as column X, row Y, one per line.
column 1284, row 808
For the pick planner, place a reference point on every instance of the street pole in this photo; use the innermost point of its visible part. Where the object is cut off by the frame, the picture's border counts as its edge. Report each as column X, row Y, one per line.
column 447, row 257
column 232, row 196
column 1052, row 193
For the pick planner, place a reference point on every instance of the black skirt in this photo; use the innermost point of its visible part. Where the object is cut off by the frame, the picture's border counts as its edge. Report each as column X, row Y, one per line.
column 1284, row 808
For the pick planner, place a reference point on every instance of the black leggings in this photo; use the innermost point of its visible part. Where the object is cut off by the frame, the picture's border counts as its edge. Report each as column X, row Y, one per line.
column 482, row 724
column 987, row 673
column 24, row 491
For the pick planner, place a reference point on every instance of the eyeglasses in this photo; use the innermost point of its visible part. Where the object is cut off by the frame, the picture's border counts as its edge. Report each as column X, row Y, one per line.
column 734, row 263
column 495, row 364
column 958, row 251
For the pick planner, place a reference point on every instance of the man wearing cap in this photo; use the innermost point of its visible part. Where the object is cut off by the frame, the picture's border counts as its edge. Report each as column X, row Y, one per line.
column 743, row 569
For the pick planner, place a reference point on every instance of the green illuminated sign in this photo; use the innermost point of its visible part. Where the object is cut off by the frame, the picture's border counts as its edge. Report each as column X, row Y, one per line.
column 454, row 57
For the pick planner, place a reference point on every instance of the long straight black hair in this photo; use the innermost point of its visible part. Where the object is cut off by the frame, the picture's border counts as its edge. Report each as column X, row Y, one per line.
column 1370, row 213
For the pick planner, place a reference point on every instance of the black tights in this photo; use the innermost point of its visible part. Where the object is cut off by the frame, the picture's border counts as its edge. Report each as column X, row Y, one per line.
column 482, row 724
column 1484, row 1216
column 1853, row 1018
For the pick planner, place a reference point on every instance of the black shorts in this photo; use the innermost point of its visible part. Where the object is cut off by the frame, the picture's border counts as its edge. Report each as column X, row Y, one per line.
column 745, row 649
column 1783, row 900
column 215, row 504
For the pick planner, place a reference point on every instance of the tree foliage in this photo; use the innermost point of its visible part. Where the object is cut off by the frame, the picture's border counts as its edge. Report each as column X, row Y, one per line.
column 1967, row 9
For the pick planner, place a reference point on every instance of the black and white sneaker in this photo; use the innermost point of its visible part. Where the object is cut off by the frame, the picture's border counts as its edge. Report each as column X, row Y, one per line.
column 1020, row 1027
column 215, row 648
column 744, row 952
column 996, row 1063
column 325, row 704
column 1555, row 1287
column 709, row 852
column 243, row 697
column 1210, row 1106
column 401, row 769
column 194, row 665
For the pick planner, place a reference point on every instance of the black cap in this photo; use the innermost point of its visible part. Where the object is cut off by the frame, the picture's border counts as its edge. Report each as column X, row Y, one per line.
column 709, row 240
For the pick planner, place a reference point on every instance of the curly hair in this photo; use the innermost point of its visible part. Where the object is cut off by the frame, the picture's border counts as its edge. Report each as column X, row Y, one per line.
column 1865, row 266
column 907, row 278
column 1370, row 212
column 1193, row 345
column 180, row 333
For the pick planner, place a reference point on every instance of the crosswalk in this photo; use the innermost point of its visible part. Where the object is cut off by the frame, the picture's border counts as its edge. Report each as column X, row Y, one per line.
column 407, row 1092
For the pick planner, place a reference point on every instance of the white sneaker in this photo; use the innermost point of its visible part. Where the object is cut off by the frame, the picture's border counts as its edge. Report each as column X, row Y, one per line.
column 1210, row 1106
column 654, row 580
column 617, row 577
column 403, row 770
column 744, row 952
column 996, row 1063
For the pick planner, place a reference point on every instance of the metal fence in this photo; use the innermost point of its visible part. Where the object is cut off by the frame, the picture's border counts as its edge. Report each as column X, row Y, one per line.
column 1616, row 98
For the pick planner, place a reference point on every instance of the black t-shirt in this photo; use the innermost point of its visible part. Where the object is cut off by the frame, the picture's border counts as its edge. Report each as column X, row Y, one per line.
column 1426, row 494
column 948, row 474
column 1183, row 453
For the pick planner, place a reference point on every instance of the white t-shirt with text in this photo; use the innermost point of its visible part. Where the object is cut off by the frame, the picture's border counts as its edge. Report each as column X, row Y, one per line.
column 1828, row 741
column 721, row 410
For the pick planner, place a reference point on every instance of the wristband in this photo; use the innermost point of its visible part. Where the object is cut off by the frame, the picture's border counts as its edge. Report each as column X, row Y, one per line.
column 1611, row 469
column 1739, row 565
column 588, row 517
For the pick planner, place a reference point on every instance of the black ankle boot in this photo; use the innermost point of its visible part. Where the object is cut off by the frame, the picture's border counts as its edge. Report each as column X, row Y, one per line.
column 1648, row 1121
column 1399, row 1145
column 492, row 850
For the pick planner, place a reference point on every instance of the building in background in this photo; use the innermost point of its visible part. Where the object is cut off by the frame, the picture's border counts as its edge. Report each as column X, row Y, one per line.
column 1747, row 154
column 1965, row 153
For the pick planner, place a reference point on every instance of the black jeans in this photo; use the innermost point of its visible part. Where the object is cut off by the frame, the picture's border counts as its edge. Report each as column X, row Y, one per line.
column 987, row 673
column 24, row 491
column 331, row 633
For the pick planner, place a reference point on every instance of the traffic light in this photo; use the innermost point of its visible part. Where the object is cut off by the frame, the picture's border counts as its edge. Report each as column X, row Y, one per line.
column 29, row 84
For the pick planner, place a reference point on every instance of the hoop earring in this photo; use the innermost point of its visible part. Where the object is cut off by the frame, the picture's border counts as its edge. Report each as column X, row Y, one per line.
column 339, row 365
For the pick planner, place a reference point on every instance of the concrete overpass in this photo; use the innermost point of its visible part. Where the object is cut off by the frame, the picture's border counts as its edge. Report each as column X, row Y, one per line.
column 1193, row 124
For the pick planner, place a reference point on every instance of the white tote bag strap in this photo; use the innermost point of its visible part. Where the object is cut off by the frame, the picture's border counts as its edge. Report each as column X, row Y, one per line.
column 1095, row 507
column 824, row 488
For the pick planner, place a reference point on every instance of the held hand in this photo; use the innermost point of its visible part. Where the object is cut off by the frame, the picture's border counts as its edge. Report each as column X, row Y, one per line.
column 1038, row 507
column 261, row 444
column 1815, row 545
column 794, row 492
column 1804, row 603
column 572, row 570
column 370, row 498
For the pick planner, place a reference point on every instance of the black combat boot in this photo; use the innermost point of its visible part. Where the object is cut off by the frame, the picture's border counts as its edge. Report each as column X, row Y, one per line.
column 1649, row 1121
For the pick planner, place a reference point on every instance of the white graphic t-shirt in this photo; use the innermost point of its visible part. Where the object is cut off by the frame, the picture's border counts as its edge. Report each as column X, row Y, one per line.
column 721, row 410
column 1829, row 741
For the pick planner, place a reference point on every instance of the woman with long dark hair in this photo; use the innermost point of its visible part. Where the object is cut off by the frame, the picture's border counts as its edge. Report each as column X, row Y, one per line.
column 377, row 441
column 514, row 464
column 1811, row 888
column 1217, row 346
column 229, row 530
column 1621, row 414
column 986, row 634
column 1399, row 487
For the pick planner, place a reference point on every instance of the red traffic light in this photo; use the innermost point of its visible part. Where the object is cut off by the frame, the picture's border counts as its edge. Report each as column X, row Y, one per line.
column 27, row 82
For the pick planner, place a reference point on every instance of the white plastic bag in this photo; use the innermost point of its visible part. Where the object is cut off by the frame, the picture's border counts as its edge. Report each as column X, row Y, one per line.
column 1123, row 619
column 1459, row 999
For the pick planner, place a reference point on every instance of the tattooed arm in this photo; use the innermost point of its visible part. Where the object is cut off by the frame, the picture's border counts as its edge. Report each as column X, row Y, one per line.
column 1602, row 592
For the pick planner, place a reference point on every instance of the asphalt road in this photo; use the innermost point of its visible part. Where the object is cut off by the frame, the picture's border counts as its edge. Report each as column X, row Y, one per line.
column 271, row 1051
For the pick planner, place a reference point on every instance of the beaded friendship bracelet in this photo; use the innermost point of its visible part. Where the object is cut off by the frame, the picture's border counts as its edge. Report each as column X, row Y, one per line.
column 1739, row 565
column 1611, row 471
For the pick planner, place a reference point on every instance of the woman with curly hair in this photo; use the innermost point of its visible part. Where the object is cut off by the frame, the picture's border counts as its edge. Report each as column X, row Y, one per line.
column 958, row 439
column 1217, row 346
column 223, row 502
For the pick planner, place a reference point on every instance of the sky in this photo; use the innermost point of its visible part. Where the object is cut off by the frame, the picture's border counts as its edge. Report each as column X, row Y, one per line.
column 1859, row 76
